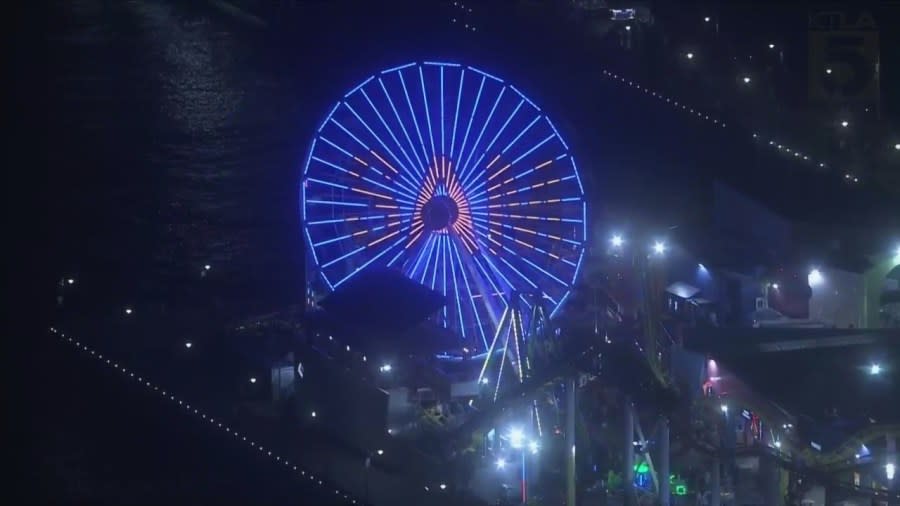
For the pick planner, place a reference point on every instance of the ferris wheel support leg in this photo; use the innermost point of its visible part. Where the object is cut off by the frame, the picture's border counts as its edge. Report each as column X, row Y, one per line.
column 663, row 475
column 628, row 461
column 716, row 485
column 570, row 440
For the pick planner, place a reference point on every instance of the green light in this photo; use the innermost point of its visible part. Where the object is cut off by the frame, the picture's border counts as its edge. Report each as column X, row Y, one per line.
column 680, row 490
column 642, row 468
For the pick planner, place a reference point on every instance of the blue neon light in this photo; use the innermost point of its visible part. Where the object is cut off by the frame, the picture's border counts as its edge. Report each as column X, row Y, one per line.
column 524, row 97
column 486, row 74
column 481, row 133
column 365, row 185
column 354, row 90
column 328, row 117
column 394, row 69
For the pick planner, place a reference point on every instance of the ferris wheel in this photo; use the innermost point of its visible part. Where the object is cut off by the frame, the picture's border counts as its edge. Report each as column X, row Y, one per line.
column 454, row 177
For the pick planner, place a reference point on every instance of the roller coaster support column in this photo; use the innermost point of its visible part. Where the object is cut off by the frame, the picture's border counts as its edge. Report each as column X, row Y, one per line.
column 771, row 479
column 715, row 493
column 663, row 475
column 628, row 461
column 571, row 385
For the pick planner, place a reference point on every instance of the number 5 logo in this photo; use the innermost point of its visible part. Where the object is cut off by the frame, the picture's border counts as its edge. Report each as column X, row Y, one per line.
column 852, row 58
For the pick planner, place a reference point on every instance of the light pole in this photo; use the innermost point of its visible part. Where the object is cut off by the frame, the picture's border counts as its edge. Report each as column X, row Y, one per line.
column 517, row 442
column 367, row 465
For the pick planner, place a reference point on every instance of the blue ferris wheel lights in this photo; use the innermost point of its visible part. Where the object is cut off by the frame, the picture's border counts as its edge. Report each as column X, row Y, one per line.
column 476, row 208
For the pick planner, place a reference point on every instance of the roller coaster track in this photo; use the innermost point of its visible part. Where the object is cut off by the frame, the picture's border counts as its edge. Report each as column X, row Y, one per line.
column 618, row 363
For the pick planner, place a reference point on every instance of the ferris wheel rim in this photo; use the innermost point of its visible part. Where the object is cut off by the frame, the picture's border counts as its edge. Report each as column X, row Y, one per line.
column 405, row 185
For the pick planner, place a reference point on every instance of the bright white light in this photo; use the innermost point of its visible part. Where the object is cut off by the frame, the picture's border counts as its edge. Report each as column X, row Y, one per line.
column 724, row 408
column 775, row 286
column 188, row 344
column 659, row 247
column 706, row 19
column 71, row 281
column 746, row 79
column 889, row 470
column 533, row 447
column 828, row 70
column 815, row 277
column 484, row 381
column 777, row 444
column 897, row 146
column 253, row 379
column 690, row 56
column 617, row 240
column 628, row 27
column 207, row 267
column 128, row 310
column 443, row 486
column 771, row 46
column 385, row 368
column 875, row 369
column 313, row 414
column 516, row 437
column 380, row 452
column 845, row 123
column 501, row 463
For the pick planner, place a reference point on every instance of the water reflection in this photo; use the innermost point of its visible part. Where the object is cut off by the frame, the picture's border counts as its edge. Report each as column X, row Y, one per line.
column 184, row 141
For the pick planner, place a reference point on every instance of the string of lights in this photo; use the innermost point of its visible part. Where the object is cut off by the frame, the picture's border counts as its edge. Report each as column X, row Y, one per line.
column 196, row 411
column 758, row 139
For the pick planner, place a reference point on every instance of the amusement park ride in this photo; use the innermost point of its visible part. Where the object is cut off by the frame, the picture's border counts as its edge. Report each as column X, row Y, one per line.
column 458, row 180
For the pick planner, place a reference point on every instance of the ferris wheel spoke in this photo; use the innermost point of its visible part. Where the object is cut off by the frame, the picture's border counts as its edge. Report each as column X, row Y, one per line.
column 531, row 217
column 524, row 243
column 428, row 118
column 414, row 171
column 444, row 251
column 520, row 157
column 431, row 252
column 522, row 203
column 530, row 246
column 505, row 149
column 412, row 145
column 421, row 254
column 358, row 234
column 366, row 246
column 369, row 262
column 529, row 231
column 500, row 257
column 462, row 167
column 443, row 152
column 517, row 176
column 472, row 167
column 350, row 219
column 528, row 188
column 412, row 113
column 462, row 79
column 465, row 278
column 462, row 146
column 393, row 190
column 491, row 264
column 377, row 138
column 486, row 275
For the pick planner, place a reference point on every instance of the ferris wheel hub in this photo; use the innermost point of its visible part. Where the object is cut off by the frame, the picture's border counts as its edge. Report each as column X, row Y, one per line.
column 439, row 213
